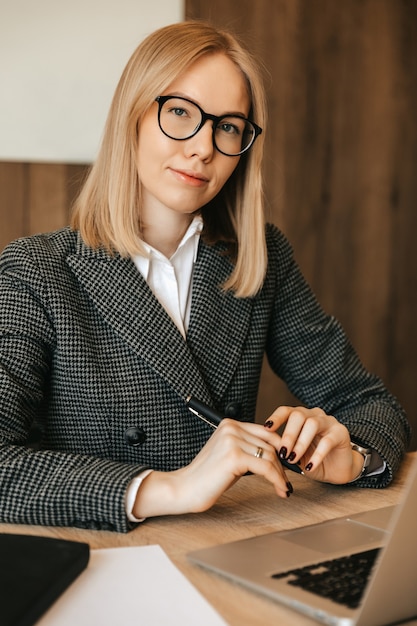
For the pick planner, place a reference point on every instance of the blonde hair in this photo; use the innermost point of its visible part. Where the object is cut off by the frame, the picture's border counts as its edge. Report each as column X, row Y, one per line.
column 107, row 211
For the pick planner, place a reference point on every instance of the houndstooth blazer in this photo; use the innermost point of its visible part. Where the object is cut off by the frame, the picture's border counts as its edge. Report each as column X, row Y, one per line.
column 88, row 353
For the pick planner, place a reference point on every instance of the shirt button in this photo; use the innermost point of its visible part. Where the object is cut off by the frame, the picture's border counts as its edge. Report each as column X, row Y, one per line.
column 134, row 436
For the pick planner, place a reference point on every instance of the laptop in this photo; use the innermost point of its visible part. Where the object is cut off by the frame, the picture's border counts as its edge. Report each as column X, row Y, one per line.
column 34, row 572
column 309, row 569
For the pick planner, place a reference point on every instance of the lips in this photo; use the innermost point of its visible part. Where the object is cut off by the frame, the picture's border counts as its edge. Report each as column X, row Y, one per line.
column 191, row 177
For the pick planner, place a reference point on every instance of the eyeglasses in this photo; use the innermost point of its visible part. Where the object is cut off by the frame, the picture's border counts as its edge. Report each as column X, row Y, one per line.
column 181, row 119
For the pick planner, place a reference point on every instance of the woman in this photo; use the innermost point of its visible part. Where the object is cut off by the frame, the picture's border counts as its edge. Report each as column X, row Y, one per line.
column 167, row 285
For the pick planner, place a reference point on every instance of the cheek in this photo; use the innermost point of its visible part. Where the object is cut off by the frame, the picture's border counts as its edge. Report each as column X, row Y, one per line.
column 147, row 147
column 226, row 169
column 150, row 141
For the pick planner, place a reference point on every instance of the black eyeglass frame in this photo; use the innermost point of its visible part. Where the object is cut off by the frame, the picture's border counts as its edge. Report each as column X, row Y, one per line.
column 204, row 117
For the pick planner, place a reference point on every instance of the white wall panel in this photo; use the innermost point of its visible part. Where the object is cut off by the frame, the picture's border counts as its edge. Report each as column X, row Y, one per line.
column 59, row 65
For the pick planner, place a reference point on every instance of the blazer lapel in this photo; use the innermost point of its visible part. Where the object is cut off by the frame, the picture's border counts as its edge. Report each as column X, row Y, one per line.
column 219, row 322
column 125, row 301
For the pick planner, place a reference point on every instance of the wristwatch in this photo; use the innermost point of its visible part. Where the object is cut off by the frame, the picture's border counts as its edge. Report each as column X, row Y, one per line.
column 367, row 457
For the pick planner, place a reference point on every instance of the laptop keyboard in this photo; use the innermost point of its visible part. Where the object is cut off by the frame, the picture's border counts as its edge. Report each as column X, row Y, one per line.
column 342, row 580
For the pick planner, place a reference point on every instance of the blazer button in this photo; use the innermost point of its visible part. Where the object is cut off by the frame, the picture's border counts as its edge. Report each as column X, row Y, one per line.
column 233, row 409
column 134, row 436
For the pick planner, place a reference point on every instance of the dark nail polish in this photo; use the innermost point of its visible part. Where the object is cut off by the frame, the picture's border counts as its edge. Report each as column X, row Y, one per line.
column 283, row 453
column 291, row 457
column 268, row 424
column 290, row 487
column 288, row 494
column 308, row 467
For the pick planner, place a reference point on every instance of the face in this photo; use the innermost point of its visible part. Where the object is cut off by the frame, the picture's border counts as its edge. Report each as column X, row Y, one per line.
column 179, row 177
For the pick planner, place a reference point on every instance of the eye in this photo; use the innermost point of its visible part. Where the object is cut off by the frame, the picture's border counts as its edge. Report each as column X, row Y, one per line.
column 229, row 129
column 179, row 112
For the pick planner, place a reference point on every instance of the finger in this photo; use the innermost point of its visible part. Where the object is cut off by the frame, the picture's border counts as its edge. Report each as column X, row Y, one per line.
column 308, row 431
column 264, row 462
column 302, row 428
column 333, row 439
column 261, row 450
column 278, row 417
column 253, row 434
column 246, row 440
column 291, row 434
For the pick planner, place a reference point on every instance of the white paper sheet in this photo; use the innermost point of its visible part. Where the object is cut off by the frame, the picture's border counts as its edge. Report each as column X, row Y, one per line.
column 131, row 587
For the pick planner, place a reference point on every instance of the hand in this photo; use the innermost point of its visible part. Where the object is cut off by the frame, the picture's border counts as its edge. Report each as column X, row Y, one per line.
column 229, row 454
column 317, row 442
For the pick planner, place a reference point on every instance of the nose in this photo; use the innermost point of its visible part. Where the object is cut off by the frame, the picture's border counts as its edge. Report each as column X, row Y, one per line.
column 201, row 144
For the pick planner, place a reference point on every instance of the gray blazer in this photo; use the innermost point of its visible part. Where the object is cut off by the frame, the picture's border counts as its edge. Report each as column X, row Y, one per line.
column 88, row 352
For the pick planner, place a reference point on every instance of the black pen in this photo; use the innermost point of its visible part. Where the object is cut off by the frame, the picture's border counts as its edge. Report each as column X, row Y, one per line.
column 213, row 419
column 204, row 412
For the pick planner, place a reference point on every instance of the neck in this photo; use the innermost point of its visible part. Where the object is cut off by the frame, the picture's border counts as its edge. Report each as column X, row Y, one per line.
column 165, row 235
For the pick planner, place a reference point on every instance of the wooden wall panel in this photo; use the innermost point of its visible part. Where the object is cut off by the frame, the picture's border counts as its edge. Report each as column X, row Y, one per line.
column 36, row 197
column 12, row 201
column 341, row 166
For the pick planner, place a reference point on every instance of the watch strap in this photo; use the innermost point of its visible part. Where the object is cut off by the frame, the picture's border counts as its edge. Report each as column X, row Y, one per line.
column 367, row 457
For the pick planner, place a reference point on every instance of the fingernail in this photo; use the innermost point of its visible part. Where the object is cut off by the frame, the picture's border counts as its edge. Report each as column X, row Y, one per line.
column 288, row 494
column 308, row 467
column 290, row 487
column 283, row 453
column 291, row 457
column 268, row 424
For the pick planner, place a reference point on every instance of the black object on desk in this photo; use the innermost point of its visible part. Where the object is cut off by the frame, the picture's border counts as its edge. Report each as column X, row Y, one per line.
column 34, row 571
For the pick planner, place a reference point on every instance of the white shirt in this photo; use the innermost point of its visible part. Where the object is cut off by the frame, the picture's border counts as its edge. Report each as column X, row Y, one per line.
column 170, row 281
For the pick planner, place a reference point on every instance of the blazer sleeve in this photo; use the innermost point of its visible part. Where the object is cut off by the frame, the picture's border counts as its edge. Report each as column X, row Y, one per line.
column 309, row 350
column 43, row 486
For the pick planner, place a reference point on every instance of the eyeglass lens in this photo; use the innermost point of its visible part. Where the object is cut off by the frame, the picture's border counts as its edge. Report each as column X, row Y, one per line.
column 180, row 119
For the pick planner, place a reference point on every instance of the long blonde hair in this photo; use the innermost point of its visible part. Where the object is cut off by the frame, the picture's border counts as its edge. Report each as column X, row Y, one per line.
column 107, row 211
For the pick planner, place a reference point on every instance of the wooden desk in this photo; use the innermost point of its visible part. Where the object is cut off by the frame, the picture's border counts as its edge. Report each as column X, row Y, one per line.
column 247, row 509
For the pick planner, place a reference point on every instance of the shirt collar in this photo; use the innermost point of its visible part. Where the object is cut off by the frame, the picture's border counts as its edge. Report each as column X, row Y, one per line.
column 193, row 230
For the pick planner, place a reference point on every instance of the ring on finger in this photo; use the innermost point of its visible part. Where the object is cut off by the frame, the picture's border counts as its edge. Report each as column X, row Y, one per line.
column 259, row 453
